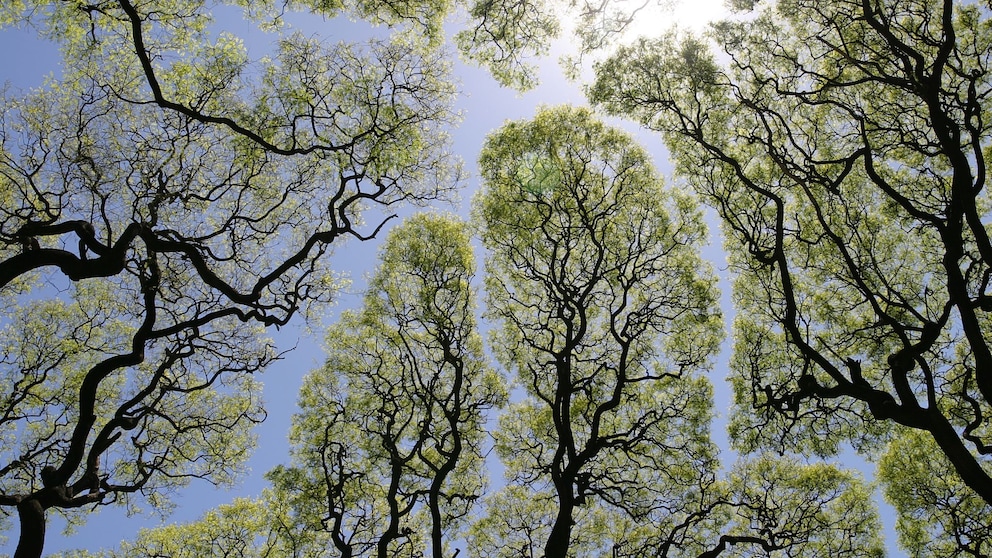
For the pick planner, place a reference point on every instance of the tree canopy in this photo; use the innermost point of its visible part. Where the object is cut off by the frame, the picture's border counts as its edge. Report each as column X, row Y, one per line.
column 844, row 145
column 607, row 314
column 163, row 200
column 167, row 198
column 389, row 438
column 592, row 269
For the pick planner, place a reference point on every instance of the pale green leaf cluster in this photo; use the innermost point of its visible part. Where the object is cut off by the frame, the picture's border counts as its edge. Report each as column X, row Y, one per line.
column 245, row 528
column 201, row 424
column 581, row 234
column 519, row 519
column 808, row 510
column 938, row 515
column 506, row 34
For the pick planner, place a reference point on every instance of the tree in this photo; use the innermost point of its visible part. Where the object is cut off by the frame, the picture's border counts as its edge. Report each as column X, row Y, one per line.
column 605, row 308
column 163, row 201
column 844, row 145
column 388, row 455
column 608, row 318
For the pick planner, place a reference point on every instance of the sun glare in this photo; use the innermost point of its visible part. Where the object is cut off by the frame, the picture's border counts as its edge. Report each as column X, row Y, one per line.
column 685, row 14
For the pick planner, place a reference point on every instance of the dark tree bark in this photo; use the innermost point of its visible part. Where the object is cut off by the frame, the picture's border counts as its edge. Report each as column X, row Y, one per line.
column 31, row 541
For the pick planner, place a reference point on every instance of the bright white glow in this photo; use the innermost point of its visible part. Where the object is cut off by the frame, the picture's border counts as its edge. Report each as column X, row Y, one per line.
column 693, row 15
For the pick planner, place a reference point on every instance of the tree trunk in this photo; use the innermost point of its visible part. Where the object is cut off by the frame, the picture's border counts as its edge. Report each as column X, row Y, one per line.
column 32, row 539
column 561, row 531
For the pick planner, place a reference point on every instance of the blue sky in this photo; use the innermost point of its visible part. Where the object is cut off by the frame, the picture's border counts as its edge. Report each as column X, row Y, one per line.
column 485, row 106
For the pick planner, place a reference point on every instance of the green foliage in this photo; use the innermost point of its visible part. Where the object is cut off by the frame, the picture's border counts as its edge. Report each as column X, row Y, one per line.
column 808, row 510
column 606, row 449
column 245, row 528
column 389, row 438
column 938, row 515
column 608, row 318
column 597, row 236
column 505, row 35
column 163, row 201
column 841, row 147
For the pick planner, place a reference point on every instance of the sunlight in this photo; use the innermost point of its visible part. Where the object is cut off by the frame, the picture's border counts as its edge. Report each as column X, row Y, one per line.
column 686, row 14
